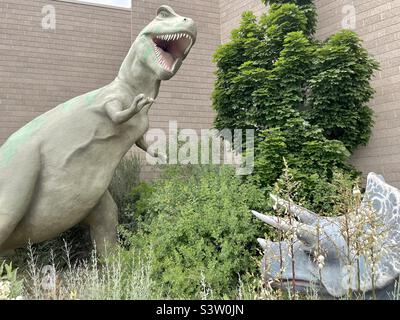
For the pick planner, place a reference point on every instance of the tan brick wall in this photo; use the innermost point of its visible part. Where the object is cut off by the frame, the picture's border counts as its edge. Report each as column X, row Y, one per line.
column 231, row 13
column 378, row 24
column 187, row 97
column 40, row 69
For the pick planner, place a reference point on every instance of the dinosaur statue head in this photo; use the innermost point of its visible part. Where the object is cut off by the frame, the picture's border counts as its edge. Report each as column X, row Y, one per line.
column 358, row 252
column 162, row 45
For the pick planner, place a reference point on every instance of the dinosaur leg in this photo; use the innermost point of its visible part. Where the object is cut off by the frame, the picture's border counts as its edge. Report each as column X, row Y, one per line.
column 17, row 187
column 103, row 222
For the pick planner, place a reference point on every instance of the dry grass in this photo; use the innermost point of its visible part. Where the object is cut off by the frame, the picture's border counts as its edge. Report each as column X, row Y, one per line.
column 116, row 277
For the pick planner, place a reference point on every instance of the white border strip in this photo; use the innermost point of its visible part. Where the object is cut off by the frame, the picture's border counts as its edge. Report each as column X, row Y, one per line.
column 106, row 6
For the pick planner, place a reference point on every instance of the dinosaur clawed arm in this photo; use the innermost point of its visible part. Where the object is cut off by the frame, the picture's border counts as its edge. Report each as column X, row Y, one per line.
column 118, row 115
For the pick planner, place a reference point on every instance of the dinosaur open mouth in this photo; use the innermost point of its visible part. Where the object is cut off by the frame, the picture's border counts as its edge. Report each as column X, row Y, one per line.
column 169, row 48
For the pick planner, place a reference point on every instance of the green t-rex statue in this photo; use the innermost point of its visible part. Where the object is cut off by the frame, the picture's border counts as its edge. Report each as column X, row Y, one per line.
column 56, row 170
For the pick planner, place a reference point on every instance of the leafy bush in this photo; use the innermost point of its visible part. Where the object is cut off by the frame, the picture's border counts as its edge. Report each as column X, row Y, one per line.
column 10, row 285
column 306, row 99
column 341, row 90
column 313, row 161
column 199, row 229
column 126, row 178
column 308, row 9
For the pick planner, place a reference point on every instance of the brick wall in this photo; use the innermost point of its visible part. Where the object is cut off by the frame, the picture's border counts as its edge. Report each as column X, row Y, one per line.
column 231, row 13
column 40, row 69
column 378, row 24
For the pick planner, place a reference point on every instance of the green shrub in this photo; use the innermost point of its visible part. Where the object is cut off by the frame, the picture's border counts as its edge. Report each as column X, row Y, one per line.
column 10, row 286
column 199, row 230
column 312, row 159
column 341, row 90
column 307, row 100
column 308, row 9
column 126, row 178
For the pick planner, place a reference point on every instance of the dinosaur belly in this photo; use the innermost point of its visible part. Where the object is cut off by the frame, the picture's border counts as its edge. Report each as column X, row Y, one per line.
column 71, row 184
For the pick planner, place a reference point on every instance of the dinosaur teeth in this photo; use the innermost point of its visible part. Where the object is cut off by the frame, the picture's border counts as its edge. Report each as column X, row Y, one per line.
column 173, row 37
column 157, row 50
column 168, row 51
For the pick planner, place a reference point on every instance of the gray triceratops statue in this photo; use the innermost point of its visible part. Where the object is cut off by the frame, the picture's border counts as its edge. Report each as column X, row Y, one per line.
column 356, row 255
column 56, row 170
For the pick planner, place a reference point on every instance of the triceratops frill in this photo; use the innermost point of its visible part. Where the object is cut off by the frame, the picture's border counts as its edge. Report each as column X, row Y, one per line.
column 356, row 253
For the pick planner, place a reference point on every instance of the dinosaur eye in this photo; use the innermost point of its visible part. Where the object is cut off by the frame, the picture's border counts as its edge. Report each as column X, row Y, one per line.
column 164, row 14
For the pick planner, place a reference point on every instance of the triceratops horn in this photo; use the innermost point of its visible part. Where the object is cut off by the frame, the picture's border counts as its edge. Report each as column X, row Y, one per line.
column 308, row 235
column 304, row 215
column 263, row 243
column 275, row 222
column 305, row 233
